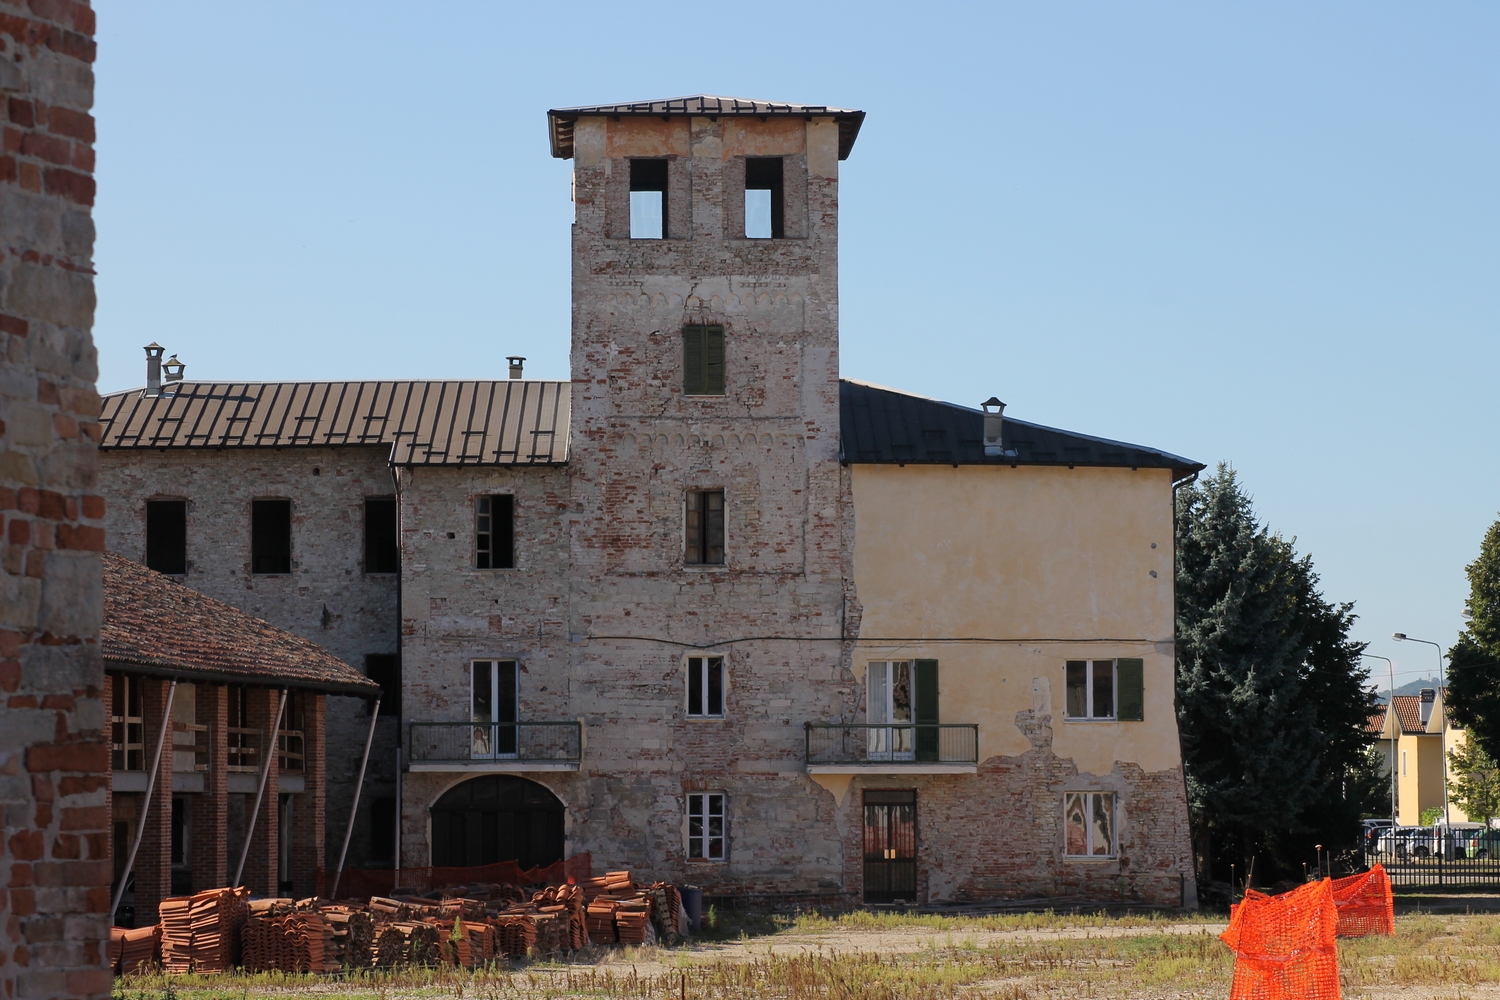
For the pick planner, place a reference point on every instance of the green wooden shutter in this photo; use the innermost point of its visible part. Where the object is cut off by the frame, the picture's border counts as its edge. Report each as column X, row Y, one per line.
column 692, row 360
column 925, row 714
column 713, row 361
column 1130, row 705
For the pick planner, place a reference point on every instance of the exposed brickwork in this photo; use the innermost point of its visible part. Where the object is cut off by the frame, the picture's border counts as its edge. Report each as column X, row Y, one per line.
column 54, row 887
column 327, row 599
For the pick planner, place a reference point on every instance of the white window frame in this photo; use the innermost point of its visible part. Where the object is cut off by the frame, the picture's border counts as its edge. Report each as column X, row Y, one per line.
column 486, row 738
column 1403, row 763
column 1090, row 798
column 700, row 806
column 1088, row 674
column 703, row 664
column 894, row 743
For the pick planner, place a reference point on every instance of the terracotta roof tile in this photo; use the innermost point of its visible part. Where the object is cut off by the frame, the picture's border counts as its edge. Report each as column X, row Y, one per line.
column 1375, row 724
column 154, row 625
column 1409, row 711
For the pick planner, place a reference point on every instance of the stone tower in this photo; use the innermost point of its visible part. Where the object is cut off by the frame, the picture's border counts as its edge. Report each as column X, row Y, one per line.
column 706, row 487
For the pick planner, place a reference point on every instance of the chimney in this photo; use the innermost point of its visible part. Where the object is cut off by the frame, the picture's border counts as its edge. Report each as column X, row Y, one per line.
column 515, row 365
column 994, row 424
column 1429, row 696
column 154, row 352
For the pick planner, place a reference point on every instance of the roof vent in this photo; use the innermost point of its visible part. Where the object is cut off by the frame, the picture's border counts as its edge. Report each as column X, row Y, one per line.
column 515, row 365
column 154, row 352
column 994, row 424
column 1429, row 696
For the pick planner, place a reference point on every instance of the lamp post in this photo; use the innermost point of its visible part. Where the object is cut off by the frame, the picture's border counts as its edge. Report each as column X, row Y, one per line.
column 1443, row 694
column 1395, row 724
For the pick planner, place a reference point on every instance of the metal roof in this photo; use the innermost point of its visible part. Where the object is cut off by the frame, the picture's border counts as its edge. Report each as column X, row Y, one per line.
column 509, row 422
column 153, row 624
column 885, row 426
column 560, row 120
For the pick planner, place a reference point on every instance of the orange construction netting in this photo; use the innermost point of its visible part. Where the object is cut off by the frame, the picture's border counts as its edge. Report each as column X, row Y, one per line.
column 1364, row 902
column 1285, row 946
column 361, row 882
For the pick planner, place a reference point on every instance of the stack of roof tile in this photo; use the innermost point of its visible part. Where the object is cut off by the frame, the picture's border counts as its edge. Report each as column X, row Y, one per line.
column 633, row 923
column 601, row 922
column 133, row 949
column 352, row 935
column 176, row 934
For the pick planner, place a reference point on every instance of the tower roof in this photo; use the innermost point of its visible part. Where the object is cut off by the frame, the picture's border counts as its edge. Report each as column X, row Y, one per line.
column 560, row 120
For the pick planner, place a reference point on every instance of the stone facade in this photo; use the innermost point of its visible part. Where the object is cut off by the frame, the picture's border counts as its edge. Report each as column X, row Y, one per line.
column 54, row 887
column 327, row 598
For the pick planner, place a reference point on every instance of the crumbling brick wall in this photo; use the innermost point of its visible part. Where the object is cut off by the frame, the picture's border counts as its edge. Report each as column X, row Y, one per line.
column 54, row 888
column 327, row 598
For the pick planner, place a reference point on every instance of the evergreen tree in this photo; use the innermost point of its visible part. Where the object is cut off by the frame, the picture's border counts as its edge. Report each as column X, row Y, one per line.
column 1473, row 700
column 1271, row 694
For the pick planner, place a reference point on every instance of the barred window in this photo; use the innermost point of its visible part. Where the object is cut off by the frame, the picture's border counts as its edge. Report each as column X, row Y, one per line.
column 706, row 819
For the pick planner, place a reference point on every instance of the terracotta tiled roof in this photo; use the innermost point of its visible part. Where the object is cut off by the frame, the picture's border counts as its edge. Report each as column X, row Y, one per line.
column 154, row 625
column 1409, row 711
column 436, row 422
column 1375, row 725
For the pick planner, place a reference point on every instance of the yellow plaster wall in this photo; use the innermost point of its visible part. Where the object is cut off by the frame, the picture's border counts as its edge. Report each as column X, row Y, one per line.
column 1029, row 556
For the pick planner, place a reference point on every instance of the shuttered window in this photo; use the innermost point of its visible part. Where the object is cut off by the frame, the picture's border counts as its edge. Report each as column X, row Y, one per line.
column 703, row 360
column 704, row 528
column 1130, row 680
column 1105, row 689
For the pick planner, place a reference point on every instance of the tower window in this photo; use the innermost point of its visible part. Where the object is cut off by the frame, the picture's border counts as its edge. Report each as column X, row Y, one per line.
column 703, row 360
column 166, row 536
column 385, row 669
column 495, row 532
column 765, row 209
column 270, row 536
column 705, row 687
column 705, row 528
column 380, row 535
column 648, row 199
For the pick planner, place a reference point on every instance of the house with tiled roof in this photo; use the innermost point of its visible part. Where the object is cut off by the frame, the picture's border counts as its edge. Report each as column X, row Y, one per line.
column 217, row 743
column 1413, row 732
column 707, row 609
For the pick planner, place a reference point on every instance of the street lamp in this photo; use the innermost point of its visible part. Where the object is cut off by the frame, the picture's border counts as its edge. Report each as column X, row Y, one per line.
column 1442, row 693
column 1395, row 724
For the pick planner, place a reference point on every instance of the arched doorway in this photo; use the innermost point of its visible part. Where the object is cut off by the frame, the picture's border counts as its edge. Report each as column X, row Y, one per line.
column 498, row 817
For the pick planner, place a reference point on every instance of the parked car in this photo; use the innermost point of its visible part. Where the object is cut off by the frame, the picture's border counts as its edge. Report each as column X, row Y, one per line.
column 1370, row 833
column 1408, row 841
column 1482, row 843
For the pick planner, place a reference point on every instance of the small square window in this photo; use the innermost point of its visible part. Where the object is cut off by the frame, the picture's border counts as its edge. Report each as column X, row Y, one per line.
column 706, row 836
column 705, row 687
column 705, row 528
column 1089, row 821
column 495, row 532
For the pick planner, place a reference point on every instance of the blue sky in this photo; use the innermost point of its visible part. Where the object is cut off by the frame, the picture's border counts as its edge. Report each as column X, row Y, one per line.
column 1268, row 234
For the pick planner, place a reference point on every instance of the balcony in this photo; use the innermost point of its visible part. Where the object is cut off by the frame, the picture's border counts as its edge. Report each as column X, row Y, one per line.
column 852, row 748
column 495, row 747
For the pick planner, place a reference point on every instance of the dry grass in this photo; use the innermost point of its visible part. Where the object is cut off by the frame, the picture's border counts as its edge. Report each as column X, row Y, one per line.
column 1011, row 957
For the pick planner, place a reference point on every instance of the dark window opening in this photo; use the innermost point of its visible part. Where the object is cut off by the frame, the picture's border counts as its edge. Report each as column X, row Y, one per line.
column 270, row 536
column 495, row 532
column 705, row 528
column 648, row 199
column 703, row 360
column 382, row 832
column 166, row 536
column 182, row 845
column 765, row 209
column 382, row 554
column 706, row 686
column 497, row 818
column 385, row 669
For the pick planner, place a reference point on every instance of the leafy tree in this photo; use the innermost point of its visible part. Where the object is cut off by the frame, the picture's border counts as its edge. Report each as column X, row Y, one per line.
column 1476, row 789
column 1271, row 693
column 1474, row 661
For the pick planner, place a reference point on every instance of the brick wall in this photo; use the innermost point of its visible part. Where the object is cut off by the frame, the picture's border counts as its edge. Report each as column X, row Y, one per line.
column 54, row 892
column 327, row 598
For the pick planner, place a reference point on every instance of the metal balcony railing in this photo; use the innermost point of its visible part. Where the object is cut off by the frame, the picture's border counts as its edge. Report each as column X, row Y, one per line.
column 479, row 742
column 892, row 744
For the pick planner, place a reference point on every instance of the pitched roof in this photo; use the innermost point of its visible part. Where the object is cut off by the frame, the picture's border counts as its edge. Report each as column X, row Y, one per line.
column 885, row 426
column 1375, row 724
column 560, row 120
column 155, row 625
column 436, row 422
column 1409, row 712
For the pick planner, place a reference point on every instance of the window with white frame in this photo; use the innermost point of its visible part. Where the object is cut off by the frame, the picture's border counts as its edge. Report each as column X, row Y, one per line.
column 1089, row 824
column 705, row 687
column 493, row 707
column 888, row 709
column 707, row 816
column 1090, row 689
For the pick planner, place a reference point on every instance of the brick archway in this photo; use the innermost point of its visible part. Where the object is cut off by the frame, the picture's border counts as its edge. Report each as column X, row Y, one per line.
column 497, row 817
